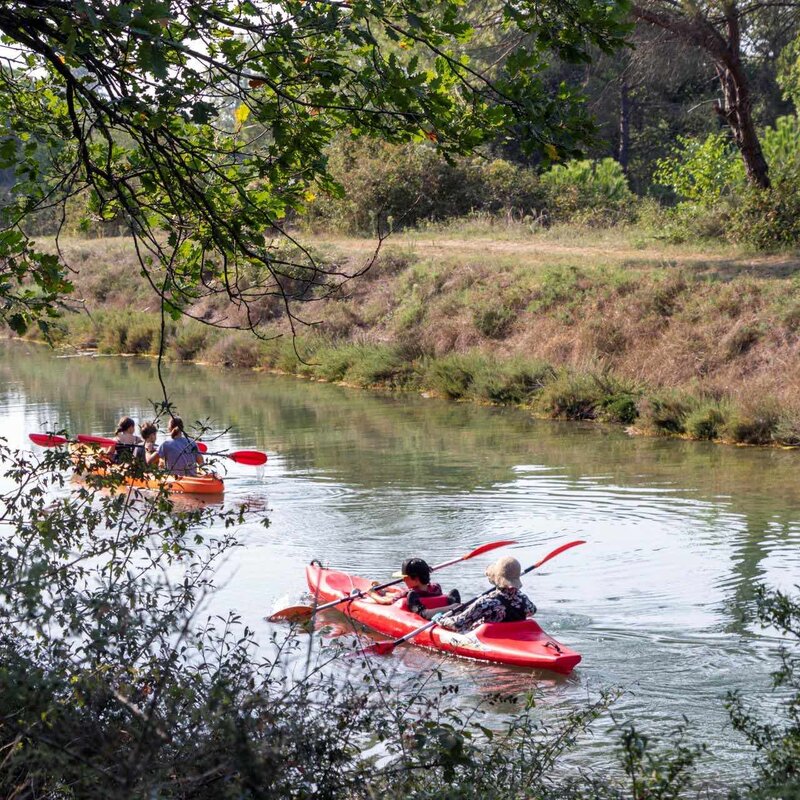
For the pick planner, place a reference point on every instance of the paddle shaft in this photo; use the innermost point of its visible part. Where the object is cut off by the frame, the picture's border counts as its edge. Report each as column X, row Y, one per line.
column 358, row 593
column 253, row 458
column 387, row 647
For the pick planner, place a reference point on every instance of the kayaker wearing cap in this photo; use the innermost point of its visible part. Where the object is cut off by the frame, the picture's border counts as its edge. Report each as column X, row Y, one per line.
column 416, row 575
column 505, row 604
column 179, row 453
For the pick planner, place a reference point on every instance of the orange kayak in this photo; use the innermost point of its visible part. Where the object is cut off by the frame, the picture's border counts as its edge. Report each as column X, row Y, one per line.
column 98, row 464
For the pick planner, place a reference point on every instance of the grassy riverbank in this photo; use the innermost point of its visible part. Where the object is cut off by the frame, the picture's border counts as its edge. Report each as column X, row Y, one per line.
column 576, row 323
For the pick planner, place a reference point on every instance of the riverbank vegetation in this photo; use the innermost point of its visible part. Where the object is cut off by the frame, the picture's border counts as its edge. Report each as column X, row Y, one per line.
column 618, row 326
column 115, row 684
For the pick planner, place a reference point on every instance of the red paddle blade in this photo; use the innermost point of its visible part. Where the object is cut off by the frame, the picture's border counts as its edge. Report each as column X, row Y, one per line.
column 558, row 550
column 47, row 439
column 377, row 649
column 487, row 547
column 202, row 447
column 292, row 614
column 103, row 441
column 250, row 457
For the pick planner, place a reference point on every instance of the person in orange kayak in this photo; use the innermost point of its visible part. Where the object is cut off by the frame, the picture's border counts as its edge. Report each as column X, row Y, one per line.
column 506, row 603
column 416, row 575
column 147, row 451
column 179, row 454
column 125, row 439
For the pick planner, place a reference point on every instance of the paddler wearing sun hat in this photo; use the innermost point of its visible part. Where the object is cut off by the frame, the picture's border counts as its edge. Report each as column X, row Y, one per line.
column 506, row 603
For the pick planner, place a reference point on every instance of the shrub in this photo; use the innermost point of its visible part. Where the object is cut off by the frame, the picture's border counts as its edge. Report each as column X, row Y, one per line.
column 570, row 396
column 189, row 342
column 558, row 285
column 379, row 364
column 769, row 218
column 392, row 186
column 513, row 382
column 330, row 362
column 599, row 188
column 664, row 412
column 493, row 321
column 621, row 408
column 705, row 421
column 701, row 171
column 113, row 336
column 236, row 350
column 754, row 422
column 453, row 375
column 144, row 333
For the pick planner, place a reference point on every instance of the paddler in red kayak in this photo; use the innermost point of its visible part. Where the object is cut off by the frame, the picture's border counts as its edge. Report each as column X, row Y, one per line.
column 505, row 604
column 416, row 574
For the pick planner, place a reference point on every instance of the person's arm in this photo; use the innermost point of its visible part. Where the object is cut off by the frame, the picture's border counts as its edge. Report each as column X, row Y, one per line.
column 530, row 606
column 151, row 456
column 479, row 611
column 391, row 596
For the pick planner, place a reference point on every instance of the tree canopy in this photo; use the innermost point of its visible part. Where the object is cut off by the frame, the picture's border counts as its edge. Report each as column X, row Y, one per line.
column 203, row 124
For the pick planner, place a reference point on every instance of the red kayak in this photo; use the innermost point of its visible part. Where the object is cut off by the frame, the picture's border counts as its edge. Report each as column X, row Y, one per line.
column 521, row 644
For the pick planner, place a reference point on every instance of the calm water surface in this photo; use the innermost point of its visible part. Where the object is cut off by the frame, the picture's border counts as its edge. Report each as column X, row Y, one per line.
column 659, row 601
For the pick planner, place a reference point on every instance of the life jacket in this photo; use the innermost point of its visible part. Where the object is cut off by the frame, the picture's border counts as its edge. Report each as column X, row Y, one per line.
column 513, row 613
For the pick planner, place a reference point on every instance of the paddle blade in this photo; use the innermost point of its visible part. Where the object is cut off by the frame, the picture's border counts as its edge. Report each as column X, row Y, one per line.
column 47, row 439
column 202, row 447
column 292, row 614
column 103, row 441
column 377, row 649
column 250, row 457
column 485, row 548
column 557, row 551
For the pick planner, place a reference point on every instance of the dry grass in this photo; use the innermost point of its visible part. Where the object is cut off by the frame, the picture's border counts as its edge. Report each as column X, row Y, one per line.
column 707, row 322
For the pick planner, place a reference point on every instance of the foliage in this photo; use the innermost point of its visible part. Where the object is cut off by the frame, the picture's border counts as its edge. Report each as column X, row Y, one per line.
column 664, row 774
column 205, row 126
column 701, row 171
column 390, row 187
column 775, row 733
column 781, row 143
column 599, row 187
column 789, row 72
column 570, row 396
column 769, row 218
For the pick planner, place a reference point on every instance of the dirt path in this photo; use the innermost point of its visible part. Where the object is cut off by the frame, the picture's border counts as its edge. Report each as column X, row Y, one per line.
column 725, row 262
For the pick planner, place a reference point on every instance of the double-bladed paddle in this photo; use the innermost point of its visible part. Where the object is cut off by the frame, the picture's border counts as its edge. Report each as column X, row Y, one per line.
column 104, row 441
column 304, row 613
column 385, row 648
column 252, row 458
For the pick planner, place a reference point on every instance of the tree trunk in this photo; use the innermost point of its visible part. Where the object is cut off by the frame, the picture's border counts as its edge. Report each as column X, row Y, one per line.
column 725, row 52
column 623, row 150
column 737, row 110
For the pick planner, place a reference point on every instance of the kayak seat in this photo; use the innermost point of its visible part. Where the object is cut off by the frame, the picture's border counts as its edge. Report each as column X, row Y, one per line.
column 428, row 602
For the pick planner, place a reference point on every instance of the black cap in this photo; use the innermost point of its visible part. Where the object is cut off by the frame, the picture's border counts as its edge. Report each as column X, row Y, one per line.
column 416, row 568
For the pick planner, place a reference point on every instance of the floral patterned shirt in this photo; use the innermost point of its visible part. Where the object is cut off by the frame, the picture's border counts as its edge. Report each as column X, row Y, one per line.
column 492, row 607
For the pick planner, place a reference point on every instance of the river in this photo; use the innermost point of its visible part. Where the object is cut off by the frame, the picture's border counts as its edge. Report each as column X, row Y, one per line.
column 659, row 600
